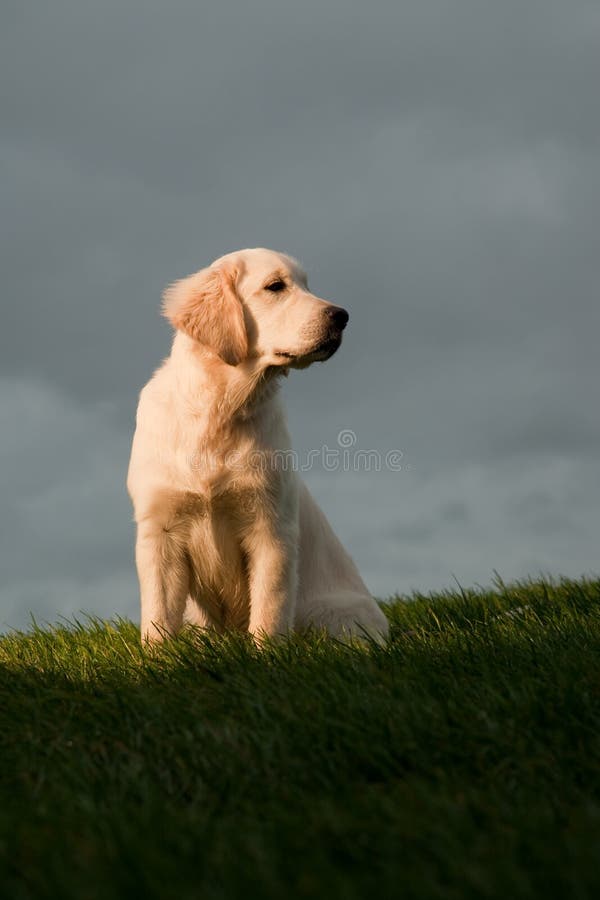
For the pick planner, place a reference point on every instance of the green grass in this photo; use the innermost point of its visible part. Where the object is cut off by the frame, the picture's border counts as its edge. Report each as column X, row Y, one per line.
column 461, row 761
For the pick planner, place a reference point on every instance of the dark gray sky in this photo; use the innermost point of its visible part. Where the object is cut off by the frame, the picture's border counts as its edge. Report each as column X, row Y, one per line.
column 434, row 164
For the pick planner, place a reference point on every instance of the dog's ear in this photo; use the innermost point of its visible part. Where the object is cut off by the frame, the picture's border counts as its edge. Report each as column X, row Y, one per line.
column 207, row 307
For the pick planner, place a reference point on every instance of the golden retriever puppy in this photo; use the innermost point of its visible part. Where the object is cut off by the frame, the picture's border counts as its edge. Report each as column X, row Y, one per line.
column 227, row 534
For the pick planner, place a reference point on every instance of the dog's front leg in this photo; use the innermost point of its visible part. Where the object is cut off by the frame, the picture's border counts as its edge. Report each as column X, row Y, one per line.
column 272, row 557
column 163, row 573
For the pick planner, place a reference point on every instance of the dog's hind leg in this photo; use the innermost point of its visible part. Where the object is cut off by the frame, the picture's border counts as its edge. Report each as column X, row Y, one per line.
column 346, row 616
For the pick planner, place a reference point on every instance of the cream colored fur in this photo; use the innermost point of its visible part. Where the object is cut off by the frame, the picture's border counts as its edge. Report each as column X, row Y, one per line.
column 226, row 537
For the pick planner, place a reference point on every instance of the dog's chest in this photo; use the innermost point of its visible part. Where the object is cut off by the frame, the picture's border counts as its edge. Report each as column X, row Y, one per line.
column 216, row 527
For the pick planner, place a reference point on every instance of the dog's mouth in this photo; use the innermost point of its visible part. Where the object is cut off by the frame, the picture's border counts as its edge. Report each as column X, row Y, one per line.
column 327, row 347
column 324, row 350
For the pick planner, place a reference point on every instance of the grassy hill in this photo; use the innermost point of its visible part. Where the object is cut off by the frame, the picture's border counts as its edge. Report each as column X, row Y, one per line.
column 461, row 761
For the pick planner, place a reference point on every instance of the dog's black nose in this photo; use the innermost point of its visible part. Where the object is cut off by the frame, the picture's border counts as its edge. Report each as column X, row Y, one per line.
column 339, row 317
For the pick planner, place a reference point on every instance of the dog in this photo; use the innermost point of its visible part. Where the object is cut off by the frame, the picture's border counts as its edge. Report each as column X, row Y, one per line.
column 228, row 536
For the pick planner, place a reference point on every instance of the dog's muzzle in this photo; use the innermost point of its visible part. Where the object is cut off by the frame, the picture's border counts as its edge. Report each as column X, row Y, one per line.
column 336, row 319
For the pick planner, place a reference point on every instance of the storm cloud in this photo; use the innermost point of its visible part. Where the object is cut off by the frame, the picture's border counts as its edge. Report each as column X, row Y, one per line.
column 434, row 165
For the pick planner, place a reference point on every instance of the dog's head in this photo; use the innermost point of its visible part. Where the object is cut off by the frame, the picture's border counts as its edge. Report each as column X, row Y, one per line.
column 256, row 304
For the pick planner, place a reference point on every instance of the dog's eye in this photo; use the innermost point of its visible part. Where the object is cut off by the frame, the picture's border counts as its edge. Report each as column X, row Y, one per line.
column 276, row 286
